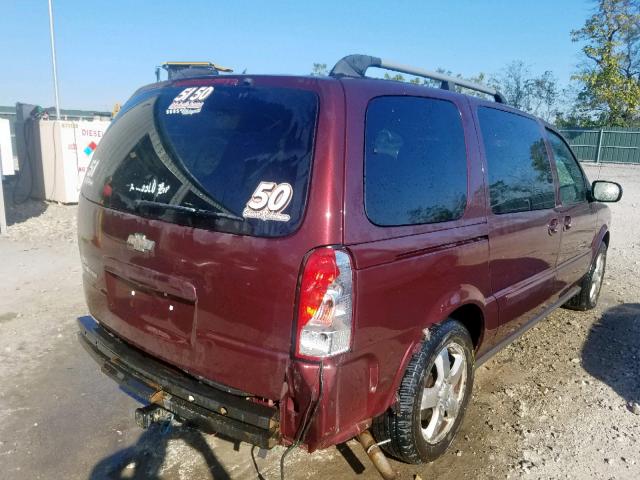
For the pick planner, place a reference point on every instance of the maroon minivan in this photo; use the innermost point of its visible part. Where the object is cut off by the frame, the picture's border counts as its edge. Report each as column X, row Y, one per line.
column 295, row 260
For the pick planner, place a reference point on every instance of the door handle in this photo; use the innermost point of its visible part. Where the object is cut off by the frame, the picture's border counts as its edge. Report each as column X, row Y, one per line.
column 567, row 222
column 553, row 226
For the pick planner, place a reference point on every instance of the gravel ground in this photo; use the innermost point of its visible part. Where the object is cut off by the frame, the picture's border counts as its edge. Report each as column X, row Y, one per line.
column 555, row 404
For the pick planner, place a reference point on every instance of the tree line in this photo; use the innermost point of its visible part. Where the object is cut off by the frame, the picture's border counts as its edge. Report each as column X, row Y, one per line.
column 604, row 90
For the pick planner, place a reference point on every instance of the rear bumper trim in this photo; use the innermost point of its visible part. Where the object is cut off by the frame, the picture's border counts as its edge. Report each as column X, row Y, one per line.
column 152, row 381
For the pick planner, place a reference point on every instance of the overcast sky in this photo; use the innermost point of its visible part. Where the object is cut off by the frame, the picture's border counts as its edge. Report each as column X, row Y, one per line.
column 106, row 49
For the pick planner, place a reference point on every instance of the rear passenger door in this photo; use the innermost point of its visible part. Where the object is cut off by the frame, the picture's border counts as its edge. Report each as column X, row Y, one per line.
column 415, row 218
column 524, row 231
column 574, row 213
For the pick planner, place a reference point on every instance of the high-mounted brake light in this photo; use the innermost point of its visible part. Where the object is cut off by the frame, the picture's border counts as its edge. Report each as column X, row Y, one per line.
column 324, row 306
column 189, row 82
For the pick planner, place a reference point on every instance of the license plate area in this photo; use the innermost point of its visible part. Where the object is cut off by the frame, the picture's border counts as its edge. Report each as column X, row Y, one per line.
column 153, row 312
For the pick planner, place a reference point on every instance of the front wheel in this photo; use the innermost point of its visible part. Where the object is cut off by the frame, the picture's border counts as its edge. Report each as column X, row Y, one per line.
column 591, row 283
column 433, row 396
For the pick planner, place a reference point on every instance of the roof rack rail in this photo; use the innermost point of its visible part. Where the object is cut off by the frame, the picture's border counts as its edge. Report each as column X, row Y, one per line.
column 357, row 65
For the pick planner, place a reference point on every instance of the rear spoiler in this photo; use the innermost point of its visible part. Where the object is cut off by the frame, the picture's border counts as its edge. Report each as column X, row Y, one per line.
column 356, row 66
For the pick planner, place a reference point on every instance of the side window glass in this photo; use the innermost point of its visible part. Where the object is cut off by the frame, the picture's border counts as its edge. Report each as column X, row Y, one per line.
column 519, row 171
column 572, row 184
column 415, row 168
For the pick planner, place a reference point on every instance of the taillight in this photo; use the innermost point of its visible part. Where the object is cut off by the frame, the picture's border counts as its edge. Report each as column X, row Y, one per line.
column 324, row 304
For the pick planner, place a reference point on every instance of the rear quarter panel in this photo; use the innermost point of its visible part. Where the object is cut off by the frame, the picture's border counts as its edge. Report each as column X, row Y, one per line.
column 410, row 277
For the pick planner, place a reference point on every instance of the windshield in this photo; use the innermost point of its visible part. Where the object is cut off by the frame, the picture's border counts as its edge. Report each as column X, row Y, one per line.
column 237, row 158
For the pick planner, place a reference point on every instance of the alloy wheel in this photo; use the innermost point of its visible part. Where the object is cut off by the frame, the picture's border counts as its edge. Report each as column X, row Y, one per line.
column 596, row 278
column 443, row 393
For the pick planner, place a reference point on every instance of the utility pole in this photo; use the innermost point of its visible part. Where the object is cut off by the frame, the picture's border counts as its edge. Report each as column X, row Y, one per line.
column 53, row 61
column 3, row 215
column 599, row 150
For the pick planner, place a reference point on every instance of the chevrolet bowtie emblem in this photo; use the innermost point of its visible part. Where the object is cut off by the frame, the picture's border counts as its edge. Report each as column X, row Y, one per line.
column 140, row 243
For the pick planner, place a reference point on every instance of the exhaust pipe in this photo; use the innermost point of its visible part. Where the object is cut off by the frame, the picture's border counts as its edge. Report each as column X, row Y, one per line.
column 376, row 455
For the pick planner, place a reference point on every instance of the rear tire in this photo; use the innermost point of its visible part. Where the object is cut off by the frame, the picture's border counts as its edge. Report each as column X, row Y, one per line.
column 591, row 283
column 432, row 398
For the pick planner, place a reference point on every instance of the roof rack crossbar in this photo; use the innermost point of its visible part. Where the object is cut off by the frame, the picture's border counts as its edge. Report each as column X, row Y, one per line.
column 357, row 65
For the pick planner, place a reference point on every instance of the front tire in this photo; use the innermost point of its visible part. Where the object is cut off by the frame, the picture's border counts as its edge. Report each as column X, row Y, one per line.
column 432, row 398
column 591, row 283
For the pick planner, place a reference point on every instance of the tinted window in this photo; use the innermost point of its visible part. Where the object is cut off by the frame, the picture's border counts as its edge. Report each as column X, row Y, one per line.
column 415, row 161
column 572, row 184
column 201, row 157
column 518, row 166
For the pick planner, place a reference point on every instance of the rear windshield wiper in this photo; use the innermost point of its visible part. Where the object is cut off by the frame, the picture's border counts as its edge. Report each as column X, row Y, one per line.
column 193, row 211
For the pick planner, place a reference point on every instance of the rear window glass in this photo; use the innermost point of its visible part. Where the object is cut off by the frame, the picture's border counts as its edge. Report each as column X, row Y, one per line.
column 518, row 166
column 230, row 158
column 415, row 161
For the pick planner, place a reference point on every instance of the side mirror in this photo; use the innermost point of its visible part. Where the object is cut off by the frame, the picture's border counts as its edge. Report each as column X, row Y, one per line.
column 602, row 191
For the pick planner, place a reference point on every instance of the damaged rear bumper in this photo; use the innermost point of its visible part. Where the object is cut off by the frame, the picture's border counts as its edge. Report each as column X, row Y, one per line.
column 152, row 381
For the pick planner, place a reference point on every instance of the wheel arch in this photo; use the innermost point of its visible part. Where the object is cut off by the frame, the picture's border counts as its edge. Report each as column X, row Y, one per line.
column 472, row 317
column 603, row 236
column 468, row 306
